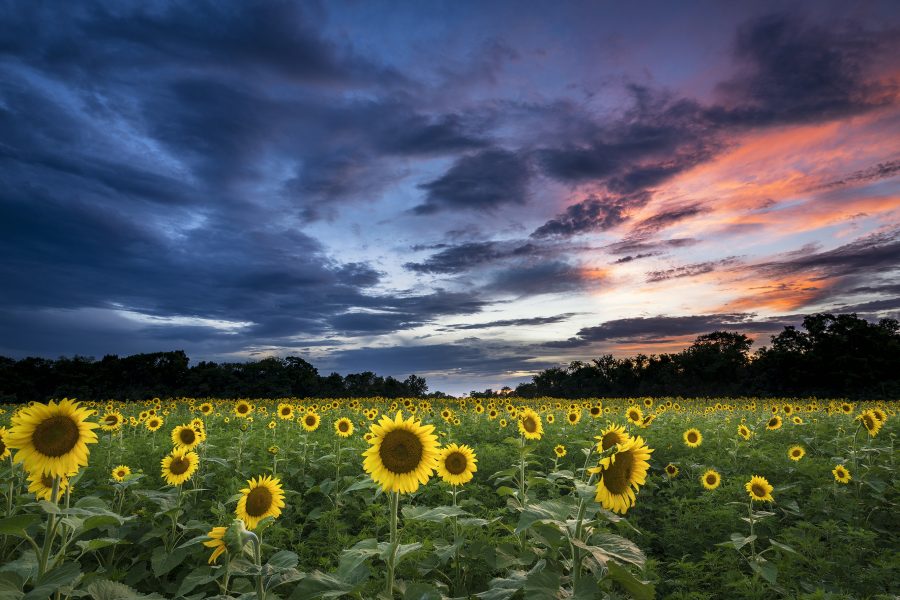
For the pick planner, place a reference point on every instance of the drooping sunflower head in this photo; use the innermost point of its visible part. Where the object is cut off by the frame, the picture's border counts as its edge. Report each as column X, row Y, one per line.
column 456, row 464
column 795, row 453
column 402, row 454
column 609, row 437
column 112, row 421
column 621, row 475
column 262, row 498
column 52, row 438
column 693, row 438
column 711, row 479
column 841, row 474
column 879, row 414
column 759, row 489
column 744, row 432
column 179, row 466
column 870, row 422
column 121, row 472
column 217, row 542
column 530, row 425
column 186, row 437
column 559, row 450
column 774, row 423
column 671, row 470
column 797, row 420
column 634, row 415
column 311, row 421
column 41, row 485
column 343, row 427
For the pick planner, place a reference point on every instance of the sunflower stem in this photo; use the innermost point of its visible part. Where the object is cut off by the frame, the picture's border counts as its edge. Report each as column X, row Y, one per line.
column 579, row 527
column 257, row 555
column 458, row 579
column 394, row 504
column 50, row 532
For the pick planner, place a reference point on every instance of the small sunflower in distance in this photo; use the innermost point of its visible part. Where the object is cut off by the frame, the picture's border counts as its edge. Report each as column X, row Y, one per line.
column 153, row 423
column 217, row 541
column 52, row 438
column 112, row 421
column 530, row 425
column 121, row 472
column 206, row 408
column 343, row 427
column 263, row 498
column 609, row 437
column 456, row 464
column 311, row 421
column 621, row 474
column 760, row 489
column 693, row 438
column 795, row 453
column 744, row 432
column 671, row 471
column 711, row 479
column 179, row 466
column 285, row 412
column 634, row 415
column 243, row 409
column 841, row 474
column 774, row 423
column 573, row 417
column 186, row 437
column 402, row 454
column 559, row 450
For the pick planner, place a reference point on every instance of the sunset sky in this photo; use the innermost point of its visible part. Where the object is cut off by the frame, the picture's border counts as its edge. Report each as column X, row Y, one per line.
column 468, row 191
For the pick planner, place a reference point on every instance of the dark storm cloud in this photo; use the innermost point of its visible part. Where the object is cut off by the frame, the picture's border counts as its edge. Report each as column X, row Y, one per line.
column 667, row 218
column 536, row 278
column 872, row 255
column 691, row 270
column 662, row 328
column 591, row 214
column 526, row 322
column 466, row 256
column 629, row 245
column 483, row 181
column 630, row 257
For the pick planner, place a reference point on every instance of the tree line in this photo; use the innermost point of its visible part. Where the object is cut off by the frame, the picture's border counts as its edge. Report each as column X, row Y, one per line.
column 832, row 356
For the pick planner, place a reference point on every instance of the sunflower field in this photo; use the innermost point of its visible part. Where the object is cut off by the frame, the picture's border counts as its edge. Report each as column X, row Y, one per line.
column 429, row 499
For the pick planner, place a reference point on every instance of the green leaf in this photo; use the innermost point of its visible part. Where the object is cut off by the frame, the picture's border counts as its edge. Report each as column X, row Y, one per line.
column 548, row 510
column 421, row 591
column 54, row 579
column 103, row 589
column 11, row 586
column 437, row 515
column 162, row 562
column 639, row 590
column 16, row 525
column 97, row 544
column 783, row 547
column 285, row 559
column 504, row 588
column 766, row 570
column 198, row 576
column 542, row 584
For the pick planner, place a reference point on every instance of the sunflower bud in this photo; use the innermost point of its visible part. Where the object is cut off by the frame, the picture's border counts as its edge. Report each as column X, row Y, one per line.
column 236, row 537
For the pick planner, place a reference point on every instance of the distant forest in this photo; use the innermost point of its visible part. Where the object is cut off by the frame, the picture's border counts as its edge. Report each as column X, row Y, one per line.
column 832, row 356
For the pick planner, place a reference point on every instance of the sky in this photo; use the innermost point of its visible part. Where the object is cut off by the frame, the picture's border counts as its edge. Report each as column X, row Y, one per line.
column 467, row 191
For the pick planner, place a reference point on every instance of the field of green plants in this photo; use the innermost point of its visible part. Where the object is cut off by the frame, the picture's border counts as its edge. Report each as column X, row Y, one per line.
column 429, row 499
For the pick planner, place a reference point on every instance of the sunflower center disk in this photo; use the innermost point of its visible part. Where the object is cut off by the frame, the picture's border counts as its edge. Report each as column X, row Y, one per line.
column 55, row 436
column 529, row 424
column 342, row 426
column 609, row 440
column 259, row 501
column 758, row 490
column 179, row 466
column 310, row 421
column 188, row 436
column 710, row 479
column 617, row 478
column 400, row 451
column 692, row 437
column 456, row 463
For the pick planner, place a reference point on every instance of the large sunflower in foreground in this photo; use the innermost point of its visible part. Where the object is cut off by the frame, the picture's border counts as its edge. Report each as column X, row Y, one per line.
column 609, row 437
column 186, row 437
column 41, row 485
column 263, row 498
column 530, row 425
column 760, row 489
column 456, row 464
column 52, row 438
column 621, row 474
column 179, row 466
column 402, row 454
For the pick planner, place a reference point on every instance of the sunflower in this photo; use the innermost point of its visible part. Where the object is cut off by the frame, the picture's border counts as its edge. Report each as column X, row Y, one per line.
column 879, row 414
column 503, row 422
column 559, row 450
column 760, row 489
column 121, row 472
column 41, row 485
column 179, row 466
column 797, row 420
column 744, row 432
column 243, row 409
column 795, row 453
column 311, row 421
column 671, row 471
column 402, row 454
column 186, row 437
column 153, row 423
column 609, row 437
column 206, row 408
column 530, row 425
column 846, row 408
column 634, row 415
column 217, row 541
column 711, row 479
column 456, row 464
column 263, row 498
column 621, row 474
column 870, row 422
column 286, row 412
column 596, row 411
column 550, row 419
column 343, row 427
column 774, row 423
column 573, row 416
column 112, row 421
column 52, row 438
column 693, row 438
column 841, row 474
column 4, row 449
